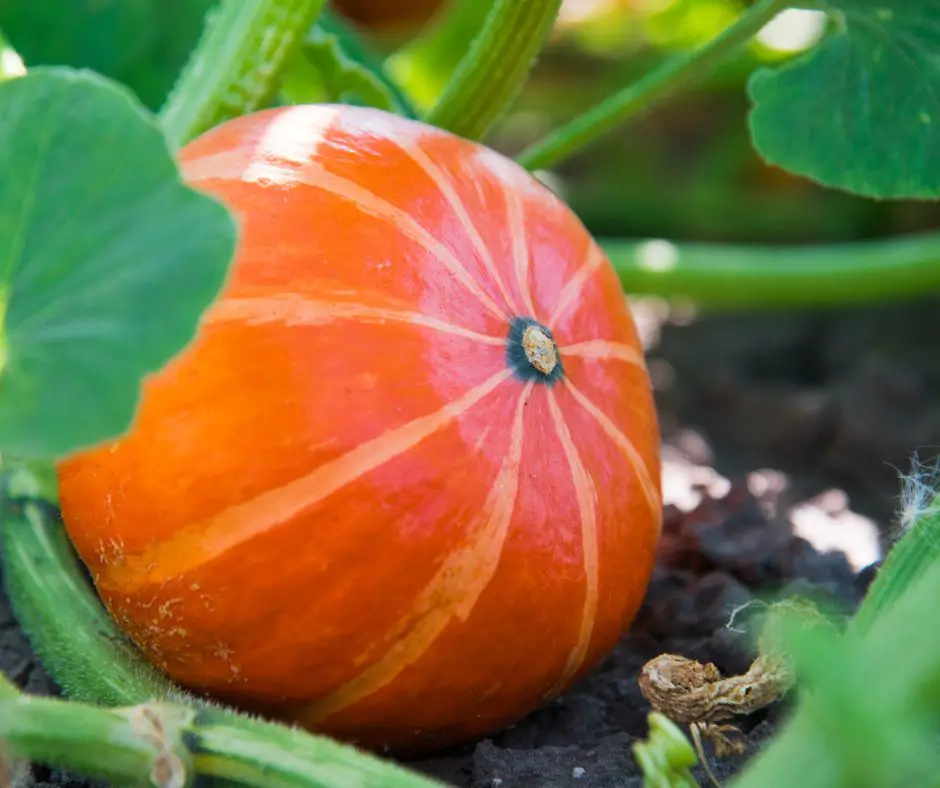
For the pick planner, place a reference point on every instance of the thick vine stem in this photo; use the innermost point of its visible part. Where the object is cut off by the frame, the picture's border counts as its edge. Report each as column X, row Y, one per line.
column 75, row 639
column 756, row 276
column 910, row 557
column 235, row 67
column 170, row 746
column 654, row 87
column 489, row 78
column 139, row 745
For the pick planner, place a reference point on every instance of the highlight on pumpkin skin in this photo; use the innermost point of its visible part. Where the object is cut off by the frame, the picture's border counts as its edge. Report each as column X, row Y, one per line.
column 237, row 165
column 454, row 590
column 206, row 540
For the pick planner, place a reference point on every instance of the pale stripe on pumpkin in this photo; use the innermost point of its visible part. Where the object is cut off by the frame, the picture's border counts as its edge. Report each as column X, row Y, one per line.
column 445, row 186
column 574, row 286
column 296, row 309
column 211, row 538
column 239, row 165
column 586, row 494
column 650, row 491
column 515, row 217
column 605, row 350
column 452, row 593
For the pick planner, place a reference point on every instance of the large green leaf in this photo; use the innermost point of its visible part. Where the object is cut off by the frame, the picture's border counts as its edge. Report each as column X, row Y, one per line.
column 107, row 260
column 861, row 110
column 140, row 43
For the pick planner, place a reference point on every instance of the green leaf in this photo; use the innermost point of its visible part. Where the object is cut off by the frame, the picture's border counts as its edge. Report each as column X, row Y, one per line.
column 140, row 43
column 34, row 479
column 107, row 260
column 324, row 71
column 861, row 110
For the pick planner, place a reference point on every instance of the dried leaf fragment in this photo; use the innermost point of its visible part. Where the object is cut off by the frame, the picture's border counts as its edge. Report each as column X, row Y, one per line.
column 696, row 694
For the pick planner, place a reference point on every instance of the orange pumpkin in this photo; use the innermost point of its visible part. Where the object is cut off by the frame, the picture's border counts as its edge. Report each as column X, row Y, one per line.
column 404, row 485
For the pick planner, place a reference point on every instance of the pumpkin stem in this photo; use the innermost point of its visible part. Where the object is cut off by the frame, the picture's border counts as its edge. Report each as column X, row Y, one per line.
column 540, row 349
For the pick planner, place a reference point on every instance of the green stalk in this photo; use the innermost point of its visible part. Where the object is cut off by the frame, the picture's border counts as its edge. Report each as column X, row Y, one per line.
column 422, row 66
column 761, row 276
column 235, row 67
column 126, row 745
column 253, row 752
column 170, row 745
column 916, row 551
column 76, row 640
column 490, row 76
column 869, row 711
column 650, row 90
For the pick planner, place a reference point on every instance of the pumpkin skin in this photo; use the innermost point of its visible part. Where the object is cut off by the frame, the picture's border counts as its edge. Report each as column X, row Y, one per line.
column 353, row 502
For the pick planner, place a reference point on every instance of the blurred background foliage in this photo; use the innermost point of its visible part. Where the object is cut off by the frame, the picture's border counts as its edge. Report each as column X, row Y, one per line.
column 687, row 171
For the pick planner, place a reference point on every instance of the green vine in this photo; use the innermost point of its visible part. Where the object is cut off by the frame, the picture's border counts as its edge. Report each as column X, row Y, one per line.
column 166, row 744
column 761, row 276
column 74, row 637
column 650, row 90
column 235, row 67
column 489, row 78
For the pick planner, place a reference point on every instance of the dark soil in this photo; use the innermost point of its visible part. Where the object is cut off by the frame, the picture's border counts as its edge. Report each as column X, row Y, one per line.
column 784, row 436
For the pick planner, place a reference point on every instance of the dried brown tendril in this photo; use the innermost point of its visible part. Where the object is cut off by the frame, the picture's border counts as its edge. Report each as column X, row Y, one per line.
column 696, row 694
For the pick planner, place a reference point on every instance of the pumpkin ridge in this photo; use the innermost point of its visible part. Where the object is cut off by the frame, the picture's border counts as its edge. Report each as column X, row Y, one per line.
column 571, row 290
column 452, row 593
column 202, row 541
column 605, row 350
column 515, row 219
column 443, row 183
column 586, row 493
column 296, row 309
column 625, row 444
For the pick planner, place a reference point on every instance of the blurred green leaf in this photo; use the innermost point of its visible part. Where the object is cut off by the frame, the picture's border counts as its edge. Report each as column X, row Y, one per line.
column 866, row 716
column 140, row 43
column 35, row 479
column 106, row 260
column 861, row 110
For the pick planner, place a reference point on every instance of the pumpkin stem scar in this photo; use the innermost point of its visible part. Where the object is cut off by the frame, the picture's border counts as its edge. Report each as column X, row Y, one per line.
column 531, row 352
column 539, row 349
